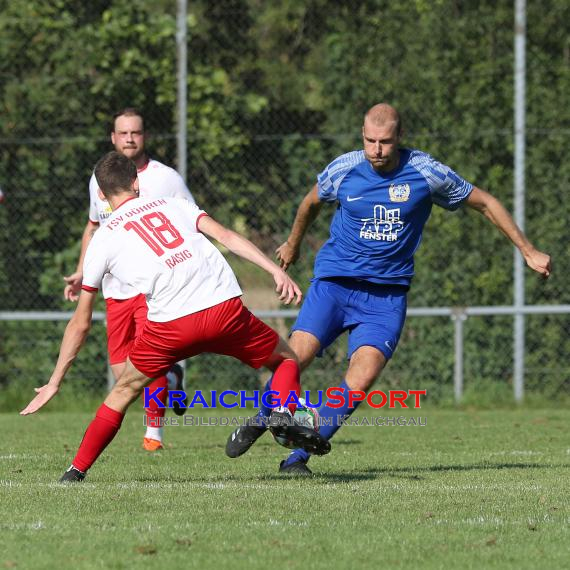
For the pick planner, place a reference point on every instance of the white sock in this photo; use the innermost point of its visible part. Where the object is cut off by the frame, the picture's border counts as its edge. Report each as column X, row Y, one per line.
column 154, row 433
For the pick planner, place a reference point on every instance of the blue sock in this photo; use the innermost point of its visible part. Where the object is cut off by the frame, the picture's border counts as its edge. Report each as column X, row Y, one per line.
column 328, row 415
column 264, row 411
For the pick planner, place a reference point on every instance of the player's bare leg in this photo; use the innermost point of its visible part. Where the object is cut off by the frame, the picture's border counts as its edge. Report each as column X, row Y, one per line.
column 154, row 413
column 127, row 389
column 364, row 368
column 305, row 346
column 107, row 422
column 118, row 369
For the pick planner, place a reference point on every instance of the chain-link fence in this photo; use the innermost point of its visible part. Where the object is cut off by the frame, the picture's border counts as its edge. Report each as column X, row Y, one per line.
column 275, row 91
column 426, row 359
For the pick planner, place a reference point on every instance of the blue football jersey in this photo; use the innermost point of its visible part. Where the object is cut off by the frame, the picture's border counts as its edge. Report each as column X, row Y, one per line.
column 380, row 217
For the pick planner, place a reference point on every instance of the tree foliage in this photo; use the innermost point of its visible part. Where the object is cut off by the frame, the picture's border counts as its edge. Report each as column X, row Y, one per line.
column 276, row 89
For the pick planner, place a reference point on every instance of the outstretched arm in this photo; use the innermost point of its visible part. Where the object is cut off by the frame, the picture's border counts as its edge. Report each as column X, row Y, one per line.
column 73, row 281
column 286, row 288
column 307, row 212
column 493, row 210
column 73, row 339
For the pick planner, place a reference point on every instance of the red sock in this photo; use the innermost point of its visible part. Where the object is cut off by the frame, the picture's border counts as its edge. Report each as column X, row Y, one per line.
column 154, row 412
column 286, row 379
column 98, row 436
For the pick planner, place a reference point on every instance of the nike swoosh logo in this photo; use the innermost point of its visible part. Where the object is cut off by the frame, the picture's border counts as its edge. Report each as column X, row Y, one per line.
column 349, row 199
column 388, row 345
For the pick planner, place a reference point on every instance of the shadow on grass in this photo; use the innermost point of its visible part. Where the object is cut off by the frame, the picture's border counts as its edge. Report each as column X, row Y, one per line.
column 402, row 473
column 411, row 473
column 415, row 473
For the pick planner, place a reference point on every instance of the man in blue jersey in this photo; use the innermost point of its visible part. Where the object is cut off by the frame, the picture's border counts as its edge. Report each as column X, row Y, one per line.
column 384, row 195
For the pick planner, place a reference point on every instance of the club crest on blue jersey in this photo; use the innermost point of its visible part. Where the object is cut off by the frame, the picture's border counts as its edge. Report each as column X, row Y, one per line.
column 384, row 226
column 399, row 192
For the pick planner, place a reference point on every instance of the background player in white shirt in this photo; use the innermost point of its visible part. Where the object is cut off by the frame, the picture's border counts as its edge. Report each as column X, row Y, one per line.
column 158, row 247
column 126, row 308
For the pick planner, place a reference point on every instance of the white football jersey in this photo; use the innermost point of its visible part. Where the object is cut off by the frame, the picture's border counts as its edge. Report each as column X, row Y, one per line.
column 156, row 180
column 154, row 246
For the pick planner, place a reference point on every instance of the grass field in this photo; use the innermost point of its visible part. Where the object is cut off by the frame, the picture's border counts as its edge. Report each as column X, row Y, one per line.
column 479, row 489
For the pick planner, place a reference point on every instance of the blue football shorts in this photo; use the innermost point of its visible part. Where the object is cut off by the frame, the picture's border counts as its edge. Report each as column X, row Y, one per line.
column 372, row 314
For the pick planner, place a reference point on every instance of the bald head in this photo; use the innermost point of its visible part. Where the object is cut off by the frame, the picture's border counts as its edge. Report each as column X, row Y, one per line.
column 381, row 136
column 383, row 115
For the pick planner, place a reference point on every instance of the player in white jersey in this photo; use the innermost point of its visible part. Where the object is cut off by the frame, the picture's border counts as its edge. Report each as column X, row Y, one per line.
column 157, row 246
column 126, row 308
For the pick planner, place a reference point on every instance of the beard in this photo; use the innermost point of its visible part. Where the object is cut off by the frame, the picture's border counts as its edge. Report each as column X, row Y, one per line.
column 133, row 153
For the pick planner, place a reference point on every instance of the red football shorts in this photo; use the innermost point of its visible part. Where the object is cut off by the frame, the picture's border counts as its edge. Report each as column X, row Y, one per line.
column 227, row 328
column 125, row 321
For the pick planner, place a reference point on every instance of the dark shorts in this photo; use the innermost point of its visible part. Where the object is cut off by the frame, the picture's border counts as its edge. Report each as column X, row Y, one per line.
column 372, row 314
